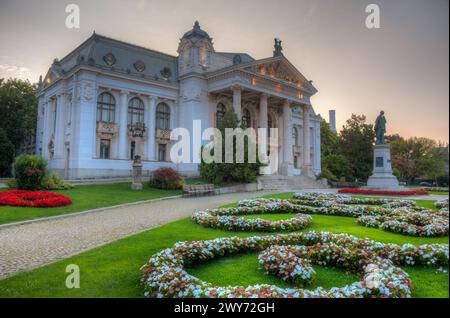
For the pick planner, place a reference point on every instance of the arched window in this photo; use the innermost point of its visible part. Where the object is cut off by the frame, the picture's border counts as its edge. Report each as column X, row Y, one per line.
column 220, row 112
column 295, row 135
column 163, row 116
column 246, row 119
column 106, row 107
column 135, row 111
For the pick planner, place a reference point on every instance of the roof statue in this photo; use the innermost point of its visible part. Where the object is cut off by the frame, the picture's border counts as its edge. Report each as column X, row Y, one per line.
column 278, row 48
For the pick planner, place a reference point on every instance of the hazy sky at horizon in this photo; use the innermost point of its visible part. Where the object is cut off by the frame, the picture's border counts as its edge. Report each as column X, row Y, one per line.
column 401, row 68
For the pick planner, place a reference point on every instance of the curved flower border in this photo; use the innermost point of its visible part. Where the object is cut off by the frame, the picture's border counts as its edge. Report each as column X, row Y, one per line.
column 229, row 219
column 398, row 216
column 35, row 199
column 164, row 275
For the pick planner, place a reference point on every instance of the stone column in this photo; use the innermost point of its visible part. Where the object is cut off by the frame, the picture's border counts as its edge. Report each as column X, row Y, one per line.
column 151, row 129
column 60, row 108
column 237, row 97
column 287, row 137
column 123, row 125
column 306, row 139
column 46, row 128
column 263, row 111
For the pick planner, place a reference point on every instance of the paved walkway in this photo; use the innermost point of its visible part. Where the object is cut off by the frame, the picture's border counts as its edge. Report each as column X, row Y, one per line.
column 32, row 245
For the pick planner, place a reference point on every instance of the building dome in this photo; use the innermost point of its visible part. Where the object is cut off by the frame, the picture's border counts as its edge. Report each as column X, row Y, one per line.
column 196, row 32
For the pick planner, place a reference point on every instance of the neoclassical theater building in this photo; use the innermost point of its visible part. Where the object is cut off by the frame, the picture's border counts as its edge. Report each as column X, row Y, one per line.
column 108, row 100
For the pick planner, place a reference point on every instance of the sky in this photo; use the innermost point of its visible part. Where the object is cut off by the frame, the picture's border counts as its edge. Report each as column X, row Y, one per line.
column 401, row 67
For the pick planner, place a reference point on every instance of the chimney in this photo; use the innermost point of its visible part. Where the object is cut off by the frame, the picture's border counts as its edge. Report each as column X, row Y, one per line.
column 332, row 120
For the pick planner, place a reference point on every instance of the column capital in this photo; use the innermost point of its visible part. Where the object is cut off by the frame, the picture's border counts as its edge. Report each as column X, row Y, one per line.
column 264, row 96
column 124, row 92
column 287, row 103
column 236, row 88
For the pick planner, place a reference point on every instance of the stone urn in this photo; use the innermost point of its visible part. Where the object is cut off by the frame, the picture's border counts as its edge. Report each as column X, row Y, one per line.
column 137, row 174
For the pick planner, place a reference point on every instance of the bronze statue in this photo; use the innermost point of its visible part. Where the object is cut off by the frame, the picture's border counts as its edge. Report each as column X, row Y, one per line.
column 380, row 129
column 278, row 48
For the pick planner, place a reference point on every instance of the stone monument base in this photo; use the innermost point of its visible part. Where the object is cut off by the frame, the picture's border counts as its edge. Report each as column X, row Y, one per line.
column 382, row 177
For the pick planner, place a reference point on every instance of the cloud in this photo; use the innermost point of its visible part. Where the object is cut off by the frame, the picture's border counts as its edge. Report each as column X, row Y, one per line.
column 12, row 68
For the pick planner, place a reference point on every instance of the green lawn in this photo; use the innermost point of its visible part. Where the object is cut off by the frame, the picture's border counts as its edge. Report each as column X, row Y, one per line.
column 85, row 197
column 113, row 270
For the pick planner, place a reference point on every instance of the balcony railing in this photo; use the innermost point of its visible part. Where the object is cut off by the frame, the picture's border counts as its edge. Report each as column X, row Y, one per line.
column 163, row 134
column 106, row 129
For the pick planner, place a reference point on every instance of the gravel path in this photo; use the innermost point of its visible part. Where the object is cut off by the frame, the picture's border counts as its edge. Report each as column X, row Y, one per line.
column 32, row 245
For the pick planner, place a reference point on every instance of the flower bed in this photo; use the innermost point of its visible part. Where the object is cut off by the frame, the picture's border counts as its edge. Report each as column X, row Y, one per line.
column 37, row 199
column 227, row 219
column 398, row 216
column 164, row 275
column 286, row 263
column 383, row 192
column 414, row 223
column 443, row 204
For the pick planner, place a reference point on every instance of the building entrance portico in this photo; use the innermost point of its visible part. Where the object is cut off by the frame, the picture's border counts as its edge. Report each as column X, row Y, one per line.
column 274, row 111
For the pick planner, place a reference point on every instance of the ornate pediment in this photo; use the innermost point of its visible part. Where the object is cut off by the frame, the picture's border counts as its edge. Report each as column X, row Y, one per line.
column 280, row 68
column 276, row 70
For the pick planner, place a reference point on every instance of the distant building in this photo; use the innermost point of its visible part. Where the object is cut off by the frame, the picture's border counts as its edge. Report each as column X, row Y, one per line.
column 332, row 120
column 94, row 100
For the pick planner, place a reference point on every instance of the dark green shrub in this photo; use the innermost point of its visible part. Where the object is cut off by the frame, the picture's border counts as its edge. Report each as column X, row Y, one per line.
column 245, row 172
column 53, row 182
column 29, row 172
column 6, row 154
column 327, row 174
column 166, row 178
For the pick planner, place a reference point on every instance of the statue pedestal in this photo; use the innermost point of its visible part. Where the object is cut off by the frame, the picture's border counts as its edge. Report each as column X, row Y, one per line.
column 382, row 177
column 137, row 174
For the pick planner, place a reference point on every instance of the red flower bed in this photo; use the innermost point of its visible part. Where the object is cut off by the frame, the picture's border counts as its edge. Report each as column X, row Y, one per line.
column 36, row 199
column 383, row 192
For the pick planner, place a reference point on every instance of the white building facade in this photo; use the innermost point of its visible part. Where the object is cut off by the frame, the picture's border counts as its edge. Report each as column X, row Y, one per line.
column 108, row 100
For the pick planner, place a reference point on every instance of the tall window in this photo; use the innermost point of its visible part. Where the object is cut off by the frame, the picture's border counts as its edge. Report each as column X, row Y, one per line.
column 161, row 152
column 163, row 116
column 246, row 119
column 220, row 112
column 105, row 146
column 106, row 107
column 135, row 111
column 295, row 136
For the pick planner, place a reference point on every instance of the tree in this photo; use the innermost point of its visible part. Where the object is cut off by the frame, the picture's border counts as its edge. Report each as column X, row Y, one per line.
column 18, row 109
column 6, row 154
column 356, row 144
column 218, row 172
column 329, row 140
column 431, row 168
column 338, row 165
column 411, row 156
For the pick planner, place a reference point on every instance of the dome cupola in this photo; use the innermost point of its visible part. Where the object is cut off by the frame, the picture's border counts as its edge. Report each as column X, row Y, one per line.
column 195, row 51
